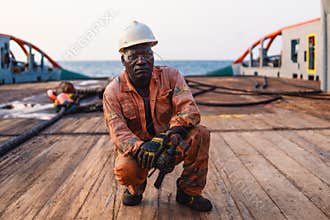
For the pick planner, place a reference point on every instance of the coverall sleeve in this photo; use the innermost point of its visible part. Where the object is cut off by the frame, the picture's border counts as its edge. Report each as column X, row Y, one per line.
column 186, row 112
column 125, row 140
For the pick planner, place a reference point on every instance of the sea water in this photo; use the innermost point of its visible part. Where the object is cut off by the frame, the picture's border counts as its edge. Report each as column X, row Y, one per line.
column 113, row 68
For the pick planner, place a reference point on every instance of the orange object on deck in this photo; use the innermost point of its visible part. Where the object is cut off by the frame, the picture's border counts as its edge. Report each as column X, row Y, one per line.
column 51, row 95
column 59, row 99
column 64, row 97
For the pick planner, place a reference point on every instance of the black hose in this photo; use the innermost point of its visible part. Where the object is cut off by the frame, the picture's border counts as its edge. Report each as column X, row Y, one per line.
column 98, row 107
column 212, row 88
column 235, row 93
column 239, row 104
column 90, row 92
column 311, row 97
column 203, row 91
column 261, row 92
column 218, row 87
column 16, row 141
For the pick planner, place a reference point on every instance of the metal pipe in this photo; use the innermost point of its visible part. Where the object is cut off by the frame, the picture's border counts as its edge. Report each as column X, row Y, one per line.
column 261, row 53
column 325, row 47
column 30, row 64
column 251, row 57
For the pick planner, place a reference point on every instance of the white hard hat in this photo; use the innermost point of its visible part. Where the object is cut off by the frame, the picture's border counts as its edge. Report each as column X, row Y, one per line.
column 136, row 33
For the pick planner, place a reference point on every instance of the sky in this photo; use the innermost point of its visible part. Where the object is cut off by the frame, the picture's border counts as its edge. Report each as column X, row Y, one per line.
column 187, row 30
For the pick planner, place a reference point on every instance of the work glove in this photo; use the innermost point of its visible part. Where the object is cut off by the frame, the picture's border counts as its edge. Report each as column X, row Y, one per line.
column 149, row 152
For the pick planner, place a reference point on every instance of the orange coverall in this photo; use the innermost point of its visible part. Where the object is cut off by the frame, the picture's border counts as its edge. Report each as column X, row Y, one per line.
column 171, row 104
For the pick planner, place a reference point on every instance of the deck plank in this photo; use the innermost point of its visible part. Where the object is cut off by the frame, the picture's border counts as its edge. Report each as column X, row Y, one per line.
column 70, row 197
column 277, row 186
column 34, row 147
column 319, row 140
column 310, row 160
column 256, row 170
column 16, row 126
column 307, row 145
column 252, row 200
column 41, row 169
column 300, row 169
column 34, row 184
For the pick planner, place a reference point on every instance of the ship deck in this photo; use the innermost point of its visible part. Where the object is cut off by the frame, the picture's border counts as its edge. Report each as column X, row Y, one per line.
column 266, row 162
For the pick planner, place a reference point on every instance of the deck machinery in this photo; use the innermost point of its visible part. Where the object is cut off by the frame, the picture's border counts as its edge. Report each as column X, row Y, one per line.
column 36, row 65
column 303, row 55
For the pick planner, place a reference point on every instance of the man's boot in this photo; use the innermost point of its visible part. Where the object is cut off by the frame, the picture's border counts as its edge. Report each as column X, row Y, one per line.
column 197, row 203
column 132, row 200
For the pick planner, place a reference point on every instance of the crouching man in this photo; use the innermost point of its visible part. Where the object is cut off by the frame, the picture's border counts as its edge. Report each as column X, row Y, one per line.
column 143, row 102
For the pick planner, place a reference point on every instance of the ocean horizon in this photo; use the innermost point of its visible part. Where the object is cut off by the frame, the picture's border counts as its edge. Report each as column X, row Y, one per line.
column 103, row 68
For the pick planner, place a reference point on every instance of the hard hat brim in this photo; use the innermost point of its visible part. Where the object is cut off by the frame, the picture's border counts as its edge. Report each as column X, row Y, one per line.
column 133, row 43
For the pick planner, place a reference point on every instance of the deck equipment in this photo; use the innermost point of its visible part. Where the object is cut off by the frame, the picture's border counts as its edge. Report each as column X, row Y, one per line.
column 30, row 69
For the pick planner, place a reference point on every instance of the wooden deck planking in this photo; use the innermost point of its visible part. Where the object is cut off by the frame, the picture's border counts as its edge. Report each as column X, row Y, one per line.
column 69, row 197
column 81, row 195
column 310, row 161
column 14, row 126
column 38, row 189
column 27, row 154
column 307, row 180
column 279, row 119
column 252, row 201
column 307, row 145
column 225, row 122
column 290, row 200
column 319, row 140
column 41, row 143
column 285, row 119
column 219, row 193
column 317, row 108
column 266, row 162
column 34, row 160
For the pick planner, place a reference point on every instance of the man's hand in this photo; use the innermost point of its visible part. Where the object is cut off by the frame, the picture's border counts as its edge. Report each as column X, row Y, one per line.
column 148, row 152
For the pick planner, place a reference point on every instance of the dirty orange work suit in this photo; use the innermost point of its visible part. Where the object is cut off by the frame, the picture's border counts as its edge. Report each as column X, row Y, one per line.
column 171, row 105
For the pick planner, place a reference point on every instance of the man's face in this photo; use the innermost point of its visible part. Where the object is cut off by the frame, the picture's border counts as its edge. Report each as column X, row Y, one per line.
column 139, row 62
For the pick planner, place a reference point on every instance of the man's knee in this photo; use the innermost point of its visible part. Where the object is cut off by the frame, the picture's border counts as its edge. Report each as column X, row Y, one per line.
column 199, row 143
column 201, row 132
column 128, row 172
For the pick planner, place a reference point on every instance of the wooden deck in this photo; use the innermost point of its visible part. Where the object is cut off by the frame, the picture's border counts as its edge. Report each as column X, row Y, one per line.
column 266, row 162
